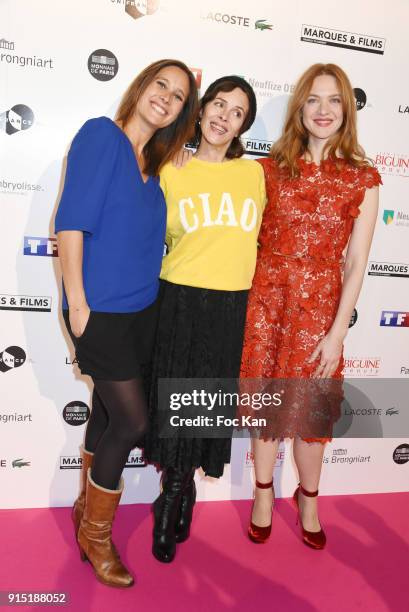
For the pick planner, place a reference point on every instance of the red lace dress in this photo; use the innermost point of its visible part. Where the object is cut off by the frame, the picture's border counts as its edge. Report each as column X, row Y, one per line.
column 297, row 285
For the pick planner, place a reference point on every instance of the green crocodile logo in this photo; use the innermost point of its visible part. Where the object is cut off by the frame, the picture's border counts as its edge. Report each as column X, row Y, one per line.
column 262, row 25
column 20, row 463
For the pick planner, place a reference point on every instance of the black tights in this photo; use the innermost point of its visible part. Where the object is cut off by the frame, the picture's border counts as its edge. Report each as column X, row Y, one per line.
column 117, row 423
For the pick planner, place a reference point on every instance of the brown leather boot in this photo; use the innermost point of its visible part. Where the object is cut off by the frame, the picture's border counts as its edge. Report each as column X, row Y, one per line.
column 94, row 535
column 79, row 504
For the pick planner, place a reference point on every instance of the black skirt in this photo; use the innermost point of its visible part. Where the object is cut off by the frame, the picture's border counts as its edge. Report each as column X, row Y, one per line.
column 199, row 335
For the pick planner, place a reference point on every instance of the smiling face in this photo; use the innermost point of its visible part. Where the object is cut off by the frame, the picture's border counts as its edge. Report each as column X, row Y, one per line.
column 223, row 117
column 164, row 98
column 322, row 112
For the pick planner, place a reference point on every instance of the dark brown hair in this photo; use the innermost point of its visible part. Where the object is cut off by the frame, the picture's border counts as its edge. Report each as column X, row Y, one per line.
column 293, row 142
column 228, row 83
column 167, row 141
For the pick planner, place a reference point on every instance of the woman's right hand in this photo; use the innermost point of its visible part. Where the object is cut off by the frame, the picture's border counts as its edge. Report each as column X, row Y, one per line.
column 182, row 157
column 78, row 319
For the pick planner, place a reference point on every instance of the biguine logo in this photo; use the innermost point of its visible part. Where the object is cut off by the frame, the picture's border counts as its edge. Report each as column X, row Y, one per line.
column 103, row 65
column 392, row 164
column 388, row 216
column 354, row 318
column 385, row 268
column 403, row 109
column 34, row 303
column 249, row 458
column 259, row 148
column 16, row 417
column 12, row 357
column 140, row 8
column 262, row 25
column 19, row 118
column 76, row 413
column 41, row 247
column 360, row 98
column 401, row 454
column 339, row 38
column 357, row 367
column 394, row 318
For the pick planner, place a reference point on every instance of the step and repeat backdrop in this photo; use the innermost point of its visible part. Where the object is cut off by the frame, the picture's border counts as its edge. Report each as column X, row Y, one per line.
column 64, row 62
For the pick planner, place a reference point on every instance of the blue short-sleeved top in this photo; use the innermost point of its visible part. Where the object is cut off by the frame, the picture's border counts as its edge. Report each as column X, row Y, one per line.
column 123, row 219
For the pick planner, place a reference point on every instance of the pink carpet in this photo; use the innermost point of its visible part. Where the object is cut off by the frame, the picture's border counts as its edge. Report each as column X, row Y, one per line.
column 365, row 564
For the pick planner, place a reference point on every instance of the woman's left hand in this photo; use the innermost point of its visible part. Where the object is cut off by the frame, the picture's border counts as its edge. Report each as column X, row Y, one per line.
column 329, row 350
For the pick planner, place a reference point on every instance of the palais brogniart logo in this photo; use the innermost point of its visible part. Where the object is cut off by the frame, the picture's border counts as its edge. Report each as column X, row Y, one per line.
column 360, row 98
column 7, row 56
column 141, row 8
column 17, row 119
column 339, row 38
column 103, row 65
column 12, row 357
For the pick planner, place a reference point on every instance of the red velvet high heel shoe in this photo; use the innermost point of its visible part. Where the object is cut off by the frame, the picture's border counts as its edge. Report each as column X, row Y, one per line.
column 257, row 534
column 314, row 539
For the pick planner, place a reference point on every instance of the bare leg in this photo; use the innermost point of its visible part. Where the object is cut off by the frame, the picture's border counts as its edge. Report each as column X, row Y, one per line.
column 308, row 458
column 265, row 453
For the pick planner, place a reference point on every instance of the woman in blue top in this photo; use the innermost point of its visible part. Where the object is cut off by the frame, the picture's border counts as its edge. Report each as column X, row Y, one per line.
column 111, row 231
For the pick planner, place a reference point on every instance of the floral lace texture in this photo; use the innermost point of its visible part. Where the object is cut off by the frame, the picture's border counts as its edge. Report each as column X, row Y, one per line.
column 297, row 284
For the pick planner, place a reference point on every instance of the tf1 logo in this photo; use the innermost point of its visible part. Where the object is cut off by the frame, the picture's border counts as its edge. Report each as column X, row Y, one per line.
column 33, row 245
column 392, row 318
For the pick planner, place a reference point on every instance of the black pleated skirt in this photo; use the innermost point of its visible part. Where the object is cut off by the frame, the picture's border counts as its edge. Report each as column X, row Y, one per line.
column 199, row 335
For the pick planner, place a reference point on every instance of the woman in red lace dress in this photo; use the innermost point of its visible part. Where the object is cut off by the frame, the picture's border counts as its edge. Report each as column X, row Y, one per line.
column 314, row 244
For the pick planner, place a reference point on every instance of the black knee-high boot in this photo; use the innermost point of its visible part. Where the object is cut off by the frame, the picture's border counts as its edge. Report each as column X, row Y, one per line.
column 188, row 499
column 166, row 511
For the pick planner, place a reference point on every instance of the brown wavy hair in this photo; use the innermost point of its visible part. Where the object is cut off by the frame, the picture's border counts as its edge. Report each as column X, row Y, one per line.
column 167, row 141
column 293, row 142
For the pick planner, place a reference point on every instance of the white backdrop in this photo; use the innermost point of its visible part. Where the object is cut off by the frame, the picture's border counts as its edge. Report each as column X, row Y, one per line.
column 49, row 87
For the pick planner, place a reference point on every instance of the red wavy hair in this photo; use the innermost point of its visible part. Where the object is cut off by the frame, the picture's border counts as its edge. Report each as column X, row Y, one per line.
column 293, row 142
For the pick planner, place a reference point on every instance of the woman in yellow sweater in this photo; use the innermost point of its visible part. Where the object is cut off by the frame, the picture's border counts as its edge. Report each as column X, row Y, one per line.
column 215, row 204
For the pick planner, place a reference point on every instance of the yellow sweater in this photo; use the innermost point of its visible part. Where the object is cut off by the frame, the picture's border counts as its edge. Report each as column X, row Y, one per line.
column 213, row 220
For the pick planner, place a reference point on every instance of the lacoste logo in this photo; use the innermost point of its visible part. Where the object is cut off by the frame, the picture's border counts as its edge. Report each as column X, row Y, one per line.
column 391, row 411
column 20, row 463
column 262, row 25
